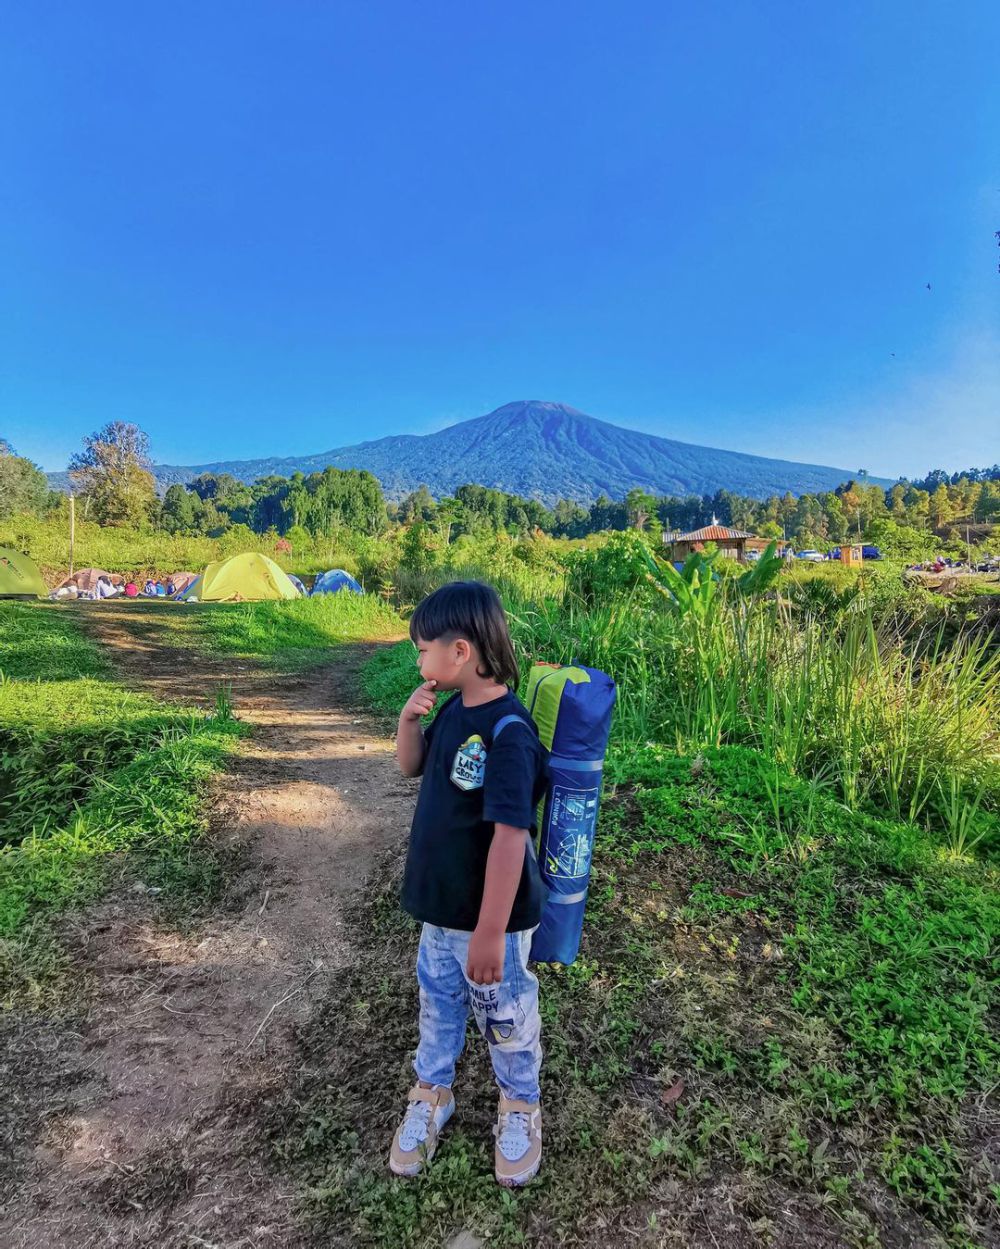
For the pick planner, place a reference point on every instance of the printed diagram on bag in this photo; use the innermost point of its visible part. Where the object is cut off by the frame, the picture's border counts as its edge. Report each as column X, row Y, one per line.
column 569, row 842
column 469, row 769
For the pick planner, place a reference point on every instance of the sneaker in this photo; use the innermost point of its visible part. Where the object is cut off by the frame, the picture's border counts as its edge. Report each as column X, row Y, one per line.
column 427, row 1111
column 518, row 1152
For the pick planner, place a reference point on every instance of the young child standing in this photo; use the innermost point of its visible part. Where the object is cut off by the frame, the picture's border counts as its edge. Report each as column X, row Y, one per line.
column 471, row 875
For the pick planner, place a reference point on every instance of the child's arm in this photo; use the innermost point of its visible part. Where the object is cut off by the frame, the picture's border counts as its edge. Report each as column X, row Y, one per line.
column 503, row 875
column 410, row 745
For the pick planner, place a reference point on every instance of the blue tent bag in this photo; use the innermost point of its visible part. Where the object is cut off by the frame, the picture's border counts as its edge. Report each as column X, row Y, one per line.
column 571, row 706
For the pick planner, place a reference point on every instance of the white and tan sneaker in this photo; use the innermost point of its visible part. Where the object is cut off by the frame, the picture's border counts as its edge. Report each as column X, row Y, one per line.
column 518, row 1152
column 416, row 1139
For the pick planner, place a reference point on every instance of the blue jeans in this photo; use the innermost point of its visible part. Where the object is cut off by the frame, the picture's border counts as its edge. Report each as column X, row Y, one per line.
column 507, row 1013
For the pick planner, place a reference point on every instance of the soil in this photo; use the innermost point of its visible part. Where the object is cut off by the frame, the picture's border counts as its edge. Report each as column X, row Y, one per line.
column 127, row 1128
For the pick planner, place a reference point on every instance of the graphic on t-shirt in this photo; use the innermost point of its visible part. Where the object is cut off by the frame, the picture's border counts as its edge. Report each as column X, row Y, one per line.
column 469, row 769
column 569, row 840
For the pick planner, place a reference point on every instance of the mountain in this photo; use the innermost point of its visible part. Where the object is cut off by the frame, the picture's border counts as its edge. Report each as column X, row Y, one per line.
column 539, row 450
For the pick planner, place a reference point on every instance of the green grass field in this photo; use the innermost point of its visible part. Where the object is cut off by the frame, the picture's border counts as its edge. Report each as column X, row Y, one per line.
column 778, row 1004
column 96, row 781
column 787, row 989
column 784, row 1010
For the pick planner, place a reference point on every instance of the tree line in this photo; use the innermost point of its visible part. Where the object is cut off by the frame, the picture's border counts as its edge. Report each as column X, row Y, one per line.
column 113, row 480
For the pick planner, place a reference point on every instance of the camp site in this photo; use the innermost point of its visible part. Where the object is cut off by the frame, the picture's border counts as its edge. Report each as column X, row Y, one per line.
column 500, row 625
column 777, row 994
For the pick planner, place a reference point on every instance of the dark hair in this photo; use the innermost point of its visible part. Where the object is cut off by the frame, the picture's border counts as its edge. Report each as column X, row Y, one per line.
column 470, row 610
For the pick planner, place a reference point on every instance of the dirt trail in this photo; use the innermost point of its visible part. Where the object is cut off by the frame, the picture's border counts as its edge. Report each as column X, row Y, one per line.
column 184, row 1029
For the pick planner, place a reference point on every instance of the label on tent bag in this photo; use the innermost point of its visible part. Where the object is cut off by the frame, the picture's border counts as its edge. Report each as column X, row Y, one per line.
column 569, row 836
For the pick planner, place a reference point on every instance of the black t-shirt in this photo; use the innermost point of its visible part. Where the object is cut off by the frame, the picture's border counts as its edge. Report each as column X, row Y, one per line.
column 472, row 782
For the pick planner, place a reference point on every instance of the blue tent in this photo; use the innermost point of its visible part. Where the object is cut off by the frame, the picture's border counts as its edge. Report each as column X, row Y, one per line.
column 190, row 591
column 334, row 581
column 297, row 583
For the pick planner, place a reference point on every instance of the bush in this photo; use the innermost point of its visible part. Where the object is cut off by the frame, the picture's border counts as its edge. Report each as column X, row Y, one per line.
column 617, row 567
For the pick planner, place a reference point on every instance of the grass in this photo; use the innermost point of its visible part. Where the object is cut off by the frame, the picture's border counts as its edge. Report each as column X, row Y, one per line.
column 907, row 726
column 778, row 1025
column 781, row 1027
column 88, row 771
column 296, row 633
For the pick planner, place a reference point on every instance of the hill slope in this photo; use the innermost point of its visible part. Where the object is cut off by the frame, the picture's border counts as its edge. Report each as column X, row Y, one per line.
column 541, row 450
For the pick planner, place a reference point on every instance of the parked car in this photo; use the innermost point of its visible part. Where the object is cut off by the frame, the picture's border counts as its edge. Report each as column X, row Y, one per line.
column 816, row 557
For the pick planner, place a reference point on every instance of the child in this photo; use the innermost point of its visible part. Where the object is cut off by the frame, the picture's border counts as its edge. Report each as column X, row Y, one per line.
column 471, row 875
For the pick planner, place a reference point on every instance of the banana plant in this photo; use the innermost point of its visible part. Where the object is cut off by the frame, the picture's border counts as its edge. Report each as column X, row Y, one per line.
column 763, row 574
column 694, row 588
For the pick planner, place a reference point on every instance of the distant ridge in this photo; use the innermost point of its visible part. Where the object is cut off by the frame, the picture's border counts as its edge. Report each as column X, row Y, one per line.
column 538, row 450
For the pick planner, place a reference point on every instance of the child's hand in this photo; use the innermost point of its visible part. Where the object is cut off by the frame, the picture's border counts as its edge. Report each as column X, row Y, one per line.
column 421, row 702
column 485, row 965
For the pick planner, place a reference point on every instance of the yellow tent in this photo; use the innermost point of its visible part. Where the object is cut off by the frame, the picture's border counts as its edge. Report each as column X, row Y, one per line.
column 241, row 579
column 19, row 576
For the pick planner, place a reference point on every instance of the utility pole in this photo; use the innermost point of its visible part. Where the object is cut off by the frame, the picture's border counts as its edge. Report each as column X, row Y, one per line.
column 72, row 530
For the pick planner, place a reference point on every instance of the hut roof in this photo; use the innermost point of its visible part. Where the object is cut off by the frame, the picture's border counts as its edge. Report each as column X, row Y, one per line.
column 713, row 533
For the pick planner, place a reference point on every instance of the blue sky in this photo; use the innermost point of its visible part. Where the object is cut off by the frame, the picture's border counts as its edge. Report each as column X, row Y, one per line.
column 277, row 228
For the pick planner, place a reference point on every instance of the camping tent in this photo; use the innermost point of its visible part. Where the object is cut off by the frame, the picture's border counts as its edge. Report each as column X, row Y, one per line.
column 335, row 580
column 297, row 583
column 180, row 580
column 242, row 578
column 85, row 579
column 19, row 576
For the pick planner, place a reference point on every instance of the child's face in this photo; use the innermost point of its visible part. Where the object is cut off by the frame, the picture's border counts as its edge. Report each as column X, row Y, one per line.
column 444, row 662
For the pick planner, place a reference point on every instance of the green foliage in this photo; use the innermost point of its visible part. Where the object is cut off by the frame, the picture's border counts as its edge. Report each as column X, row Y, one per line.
column 901, row 541
column 23, row 486
column 88, row 770
column 763, row 573
column 691, row 590
column 112, row 474
column 617, row 567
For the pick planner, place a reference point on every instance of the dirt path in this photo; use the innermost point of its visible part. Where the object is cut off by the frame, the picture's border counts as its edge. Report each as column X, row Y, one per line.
column 183, row 1030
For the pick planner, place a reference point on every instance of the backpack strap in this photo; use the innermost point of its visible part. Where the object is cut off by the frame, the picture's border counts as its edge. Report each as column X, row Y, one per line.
column 498, row 728
column 502, row 723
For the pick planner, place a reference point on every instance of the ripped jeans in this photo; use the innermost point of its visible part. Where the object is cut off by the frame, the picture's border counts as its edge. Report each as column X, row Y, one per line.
column 507, row 1013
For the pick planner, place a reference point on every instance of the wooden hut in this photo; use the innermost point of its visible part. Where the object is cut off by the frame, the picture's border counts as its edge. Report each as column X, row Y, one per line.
column 730, row 542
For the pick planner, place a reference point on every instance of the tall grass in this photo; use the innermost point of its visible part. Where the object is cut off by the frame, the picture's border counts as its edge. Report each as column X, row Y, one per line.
column 904, row 724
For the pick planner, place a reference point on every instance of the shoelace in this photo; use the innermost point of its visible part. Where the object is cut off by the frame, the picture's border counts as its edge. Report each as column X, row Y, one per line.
column 415, row 1124
column 513, row 1135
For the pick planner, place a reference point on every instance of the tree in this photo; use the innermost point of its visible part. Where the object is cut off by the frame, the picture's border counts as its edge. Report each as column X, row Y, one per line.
column 852, row 501
column 641, row 508
column 607, row 515
column 177, row 515
column 448, row 516
column 417, row 548
column 112, row 472
column 941, row 509
column 417, row 506
column 570, row 519
column 23, row 485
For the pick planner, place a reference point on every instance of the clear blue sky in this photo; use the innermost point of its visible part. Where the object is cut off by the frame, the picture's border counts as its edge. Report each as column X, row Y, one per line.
column 277, row 228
